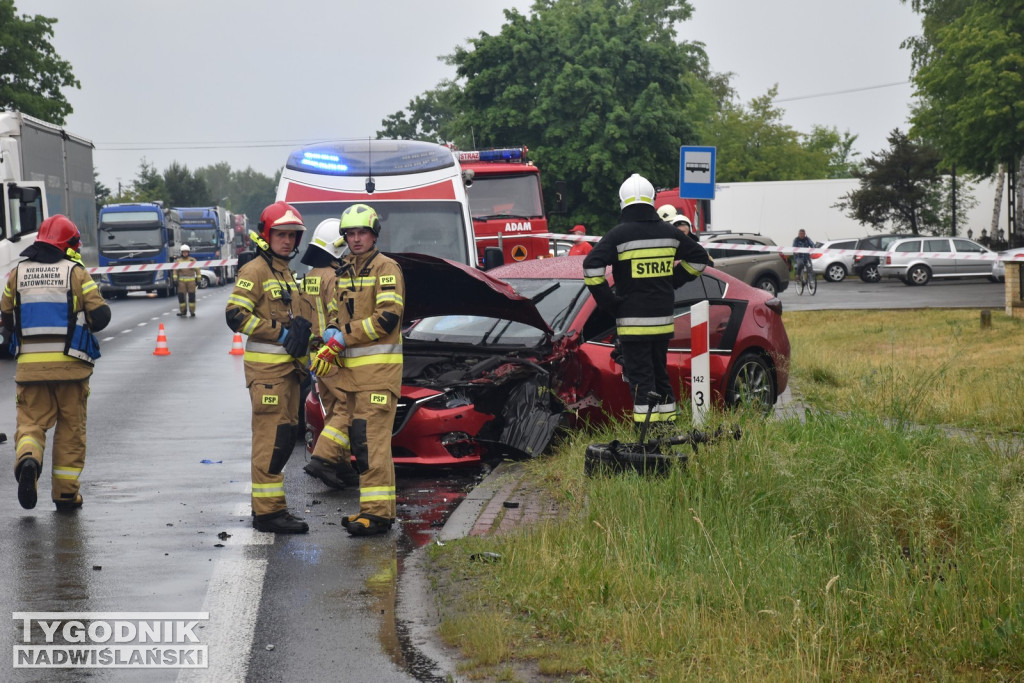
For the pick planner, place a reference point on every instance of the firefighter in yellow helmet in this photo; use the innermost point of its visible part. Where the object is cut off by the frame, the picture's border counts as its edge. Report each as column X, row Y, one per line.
column 365, row 341
column 266, row 307
column 52, row 306
column 186, row 280
column 330, row 461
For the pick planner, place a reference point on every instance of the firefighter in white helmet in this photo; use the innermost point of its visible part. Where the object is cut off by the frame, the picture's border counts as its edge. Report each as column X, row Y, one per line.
column 266, row 307
column 365, row 341
column 330, row 461
column 186, row 280
column 649, row 259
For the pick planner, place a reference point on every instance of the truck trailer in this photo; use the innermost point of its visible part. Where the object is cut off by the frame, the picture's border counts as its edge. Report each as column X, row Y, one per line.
column 44, row 171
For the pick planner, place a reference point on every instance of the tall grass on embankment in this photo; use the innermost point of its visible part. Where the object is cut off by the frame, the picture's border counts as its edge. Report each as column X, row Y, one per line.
column 845, row 547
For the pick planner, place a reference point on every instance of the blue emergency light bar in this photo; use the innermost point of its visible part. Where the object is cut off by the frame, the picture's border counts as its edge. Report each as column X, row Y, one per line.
column 506, row 154
column 371, row 157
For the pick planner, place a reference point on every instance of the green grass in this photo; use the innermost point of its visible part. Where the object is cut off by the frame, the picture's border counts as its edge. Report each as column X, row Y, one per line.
column 846, row 547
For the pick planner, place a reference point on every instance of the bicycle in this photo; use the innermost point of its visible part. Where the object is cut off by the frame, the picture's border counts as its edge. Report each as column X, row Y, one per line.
column 805, row 279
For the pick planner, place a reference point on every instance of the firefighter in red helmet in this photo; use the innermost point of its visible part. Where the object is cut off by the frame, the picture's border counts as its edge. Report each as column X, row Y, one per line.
column 50, row 309
column 266, row 307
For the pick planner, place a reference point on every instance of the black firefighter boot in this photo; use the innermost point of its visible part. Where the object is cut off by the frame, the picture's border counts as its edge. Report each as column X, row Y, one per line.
column 365, row 524
column 28, row 475
column 280, row 522
column 336, row 475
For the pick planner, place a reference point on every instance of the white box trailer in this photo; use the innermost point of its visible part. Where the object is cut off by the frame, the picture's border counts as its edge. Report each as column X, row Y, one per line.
column 44, row 170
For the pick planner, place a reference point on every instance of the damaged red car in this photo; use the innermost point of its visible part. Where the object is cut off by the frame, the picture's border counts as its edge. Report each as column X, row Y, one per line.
column 496, row 363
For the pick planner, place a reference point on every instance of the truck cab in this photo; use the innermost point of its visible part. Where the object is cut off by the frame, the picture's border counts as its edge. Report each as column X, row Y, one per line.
column 507, row 203
column 132, row 236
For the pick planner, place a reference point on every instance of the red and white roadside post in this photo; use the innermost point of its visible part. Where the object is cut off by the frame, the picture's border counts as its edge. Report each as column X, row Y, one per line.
column 700, row 361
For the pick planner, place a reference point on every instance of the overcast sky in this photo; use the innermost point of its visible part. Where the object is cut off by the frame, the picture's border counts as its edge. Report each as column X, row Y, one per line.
column 246, row 81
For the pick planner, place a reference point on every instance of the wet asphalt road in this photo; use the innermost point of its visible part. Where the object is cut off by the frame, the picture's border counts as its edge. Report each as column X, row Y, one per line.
column 163, row 531
column 852, row 293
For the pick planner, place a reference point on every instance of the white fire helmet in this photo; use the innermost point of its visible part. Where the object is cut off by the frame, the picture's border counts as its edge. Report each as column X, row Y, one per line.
column 328, row 237
column 667, row 212
column 636, row 190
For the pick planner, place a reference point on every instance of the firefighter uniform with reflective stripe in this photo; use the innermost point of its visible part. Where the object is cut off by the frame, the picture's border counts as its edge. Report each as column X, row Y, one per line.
column 649, row 259
column 370, row 302
column 187, row 279
column 262, row 303
column 53, row 308
column 319, row 287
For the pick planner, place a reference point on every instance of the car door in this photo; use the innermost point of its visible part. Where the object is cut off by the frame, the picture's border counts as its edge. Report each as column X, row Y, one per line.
column 969, row 259
column 724, row 319
column 942, row 265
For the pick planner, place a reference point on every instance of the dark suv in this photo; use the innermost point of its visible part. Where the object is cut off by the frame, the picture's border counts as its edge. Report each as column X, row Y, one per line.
column 866, row 267
column 767, row 270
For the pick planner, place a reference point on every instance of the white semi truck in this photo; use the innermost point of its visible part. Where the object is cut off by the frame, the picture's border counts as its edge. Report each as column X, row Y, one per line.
column 44, row 171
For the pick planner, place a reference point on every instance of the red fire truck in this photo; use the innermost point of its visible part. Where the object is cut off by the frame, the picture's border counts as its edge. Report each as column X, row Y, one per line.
column 506, row 201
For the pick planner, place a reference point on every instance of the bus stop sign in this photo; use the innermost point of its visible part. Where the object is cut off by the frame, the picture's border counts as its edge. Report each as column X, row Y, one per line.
column 697, row 172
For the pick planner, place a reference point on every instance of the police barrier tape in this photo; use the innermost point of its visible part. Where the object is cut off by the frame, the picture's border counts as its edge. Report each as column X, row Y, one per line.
column 817, row 251
column 144, row 267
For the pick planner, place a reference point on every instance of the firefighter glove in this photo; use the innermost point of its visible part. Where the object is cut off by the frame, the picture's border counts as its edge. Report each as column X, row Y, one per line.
column 295, row 337
column 326, row 357
column 334, row 333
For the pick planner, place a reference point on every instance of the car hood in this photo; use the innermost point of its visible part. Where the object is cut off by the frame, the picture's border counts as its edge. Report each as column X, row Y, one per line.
column 436, row 286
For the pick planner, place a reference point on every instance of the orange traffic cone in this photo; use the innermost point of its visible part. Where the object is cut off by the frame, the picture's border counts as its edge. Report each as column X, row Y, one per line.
column 161, row 343
column 236, row 346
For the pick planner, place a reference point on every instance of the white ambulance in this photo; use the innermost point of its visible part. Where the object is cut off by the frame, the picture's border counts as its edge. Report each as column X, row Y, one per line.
column 416, row 188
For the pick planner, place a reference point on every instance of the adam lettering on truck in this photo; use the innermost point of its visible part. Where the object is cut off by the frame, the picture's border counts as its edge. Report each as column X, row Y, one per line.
column 135, row 234
column 44, row 170
column 507, row 203
column 416, row 188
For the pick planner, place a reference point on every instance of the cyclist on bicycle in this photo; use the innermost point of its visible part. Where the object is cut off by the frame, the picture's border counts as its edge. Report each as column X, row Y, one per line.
column 802, row 260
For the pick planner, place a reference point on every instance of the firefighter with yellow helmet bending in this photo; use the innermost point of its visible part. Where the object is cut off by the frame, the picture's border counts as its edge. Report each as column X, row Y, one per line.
column 52, row 306
column 365, row 341
column 266, row 307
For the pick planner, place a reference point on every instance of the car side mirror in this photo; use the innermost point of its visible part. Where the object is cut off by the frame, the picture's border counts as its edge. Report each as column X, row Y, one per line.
column 493, row 257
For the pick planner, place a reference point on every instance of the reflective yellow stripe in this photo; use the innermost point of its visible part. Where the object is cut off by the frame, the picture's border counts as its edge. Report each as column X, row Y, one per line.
column 274, row 490
column 28, row 439
column 368, row 329
column 390, row 296
column 650, row 252
column 272, row 358
column 250, row 325
column 591, row 281
column 66, row 472
column 88, row 286
column 29, row 357
column 376, row 493
column 241, row 302
column 376, row 359
column 337, row 437
column 653, row 329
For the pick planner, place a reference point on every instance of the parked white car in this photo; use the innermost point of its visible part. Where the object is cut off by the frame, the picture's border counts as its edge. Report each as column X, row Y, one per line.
column 208, row 278
column 832, row 265
column 916, row 260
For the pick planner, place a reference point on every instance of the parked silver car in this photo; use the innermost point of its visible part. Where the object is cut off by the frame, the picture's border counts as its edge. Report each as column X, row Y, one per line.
column 832, row 265
column 916, row 260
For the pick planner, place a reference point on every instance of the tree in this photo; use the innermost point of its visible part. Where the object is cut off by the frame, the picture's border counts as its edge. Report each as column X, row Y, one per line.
column 184, row 188
column 597, row 89
column 901, row 187
column 101, row 191
column 31, row 73
column 754, row 145
column 148, row 186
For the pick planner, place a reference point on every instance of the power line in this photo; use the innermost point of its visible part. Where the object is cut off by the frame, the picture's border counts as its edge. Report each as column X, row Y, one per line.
column 840, row 92
column 151, row 146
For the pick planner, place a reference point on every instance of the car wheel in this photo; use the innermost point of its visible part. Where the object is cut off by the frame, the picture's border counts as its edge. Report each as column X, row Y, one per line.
column 767, row 284
column 836, row 272
column 204, row 282
column 751, row 383
column 870, row 273
column 603, row 458
column 919, row 275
